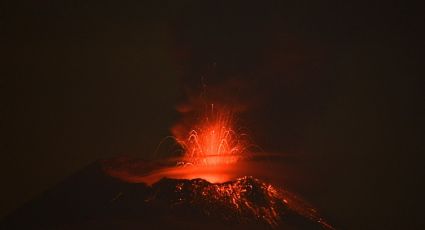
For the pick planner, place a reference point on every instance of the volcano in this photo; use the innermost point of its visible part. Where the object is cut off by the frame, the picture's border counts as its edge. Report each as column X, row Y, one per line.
column 92, row 199
column 214, row 184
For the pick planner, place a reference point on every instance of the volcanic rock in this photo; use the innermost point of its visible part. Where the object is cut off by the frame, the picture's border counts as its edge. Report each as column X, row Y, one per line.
column 91, row 199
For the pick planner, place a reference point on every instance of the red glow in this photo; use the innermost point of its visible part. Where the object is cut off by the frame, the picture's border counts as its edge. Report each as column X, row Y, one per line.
column 213, row 140
column 212, row 150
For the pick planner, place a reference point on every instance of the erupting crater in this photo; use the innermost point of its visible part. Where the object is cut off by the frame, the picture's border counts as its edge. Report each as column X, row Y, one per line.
column 214, row 179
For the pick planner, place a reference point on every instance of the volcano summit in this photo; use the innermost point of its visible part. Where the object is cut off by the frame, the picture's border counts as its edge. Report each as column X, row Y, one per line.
column 92, row 199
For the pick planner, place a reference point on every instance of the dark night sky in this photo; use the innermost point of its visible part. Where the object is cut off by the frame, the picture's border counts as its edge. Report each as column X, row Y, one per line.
column 335, row 82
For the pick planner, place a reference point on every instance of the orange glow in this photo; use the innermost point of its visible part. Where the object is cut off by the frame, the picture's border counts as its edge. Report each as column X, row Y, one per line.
column 212, row 150
column 214, row 174
column 213, row 140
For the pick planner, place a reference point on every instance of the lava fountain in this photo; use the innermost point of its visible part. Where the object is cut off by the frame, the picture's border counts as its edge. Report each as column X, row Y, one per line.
column 212, row 149
column 213, row 141
column 212, row 146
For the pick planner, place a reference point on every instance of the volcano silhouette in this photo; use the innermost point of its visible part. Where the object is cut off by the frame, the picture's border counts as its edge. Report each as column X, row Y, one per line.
column 91, row 199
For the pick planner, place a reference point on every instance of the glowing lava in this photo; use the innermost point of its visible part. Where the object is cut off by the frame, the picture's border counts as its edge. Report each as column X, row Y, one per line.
column 212, row 150
column 212, row 141
column 211, row 146
column 245, row 200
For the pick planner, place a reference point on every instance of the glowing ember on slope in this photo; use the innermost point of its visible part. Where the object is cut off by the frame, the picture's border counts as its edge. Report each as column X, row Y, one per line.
column 213, row 140
column 246, row 201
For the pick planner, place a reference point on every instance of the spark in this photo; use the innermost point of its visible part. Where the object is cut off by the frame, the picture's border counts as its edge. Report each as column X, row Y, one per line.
column 213, row 140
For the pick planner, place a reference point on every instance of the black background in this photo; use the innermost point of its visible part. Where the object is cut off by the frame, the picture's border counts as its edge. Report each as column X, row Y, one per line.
column 333, row 82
